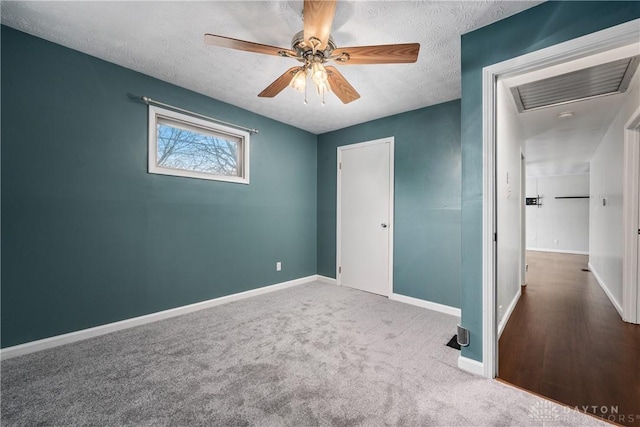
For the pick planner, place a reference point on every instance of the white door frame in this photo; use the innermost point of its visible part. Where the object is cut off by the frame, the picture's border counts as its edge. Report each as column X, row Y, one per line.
column 391, row 141
column 590, row 44
column 630, row 201
column 523, row 219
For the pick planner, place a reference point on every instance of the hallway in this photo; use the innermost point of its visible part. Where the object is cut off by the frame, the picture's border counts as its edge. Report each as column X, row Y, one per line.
column 566, row 341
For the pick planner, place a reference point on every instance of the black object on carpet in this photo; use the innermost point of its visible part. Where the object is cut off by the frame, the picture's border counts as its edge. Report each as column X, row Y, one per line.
column 453, row 342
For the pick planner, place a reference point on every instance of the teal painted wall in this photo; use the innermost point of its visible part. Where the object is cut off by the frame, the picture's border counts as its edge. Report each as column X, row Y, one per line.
column 427, row 199
column 542, row 26
column 89, row 237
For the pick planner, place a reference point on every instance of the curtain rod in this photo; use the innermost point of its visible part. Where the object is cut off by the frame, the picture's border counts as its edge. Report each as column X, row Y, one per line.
column 149, row 101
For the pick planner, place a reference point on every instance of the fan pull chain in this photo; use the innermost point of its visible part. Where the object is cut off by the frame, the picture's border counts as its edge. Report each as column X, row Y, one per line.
column 305, row 94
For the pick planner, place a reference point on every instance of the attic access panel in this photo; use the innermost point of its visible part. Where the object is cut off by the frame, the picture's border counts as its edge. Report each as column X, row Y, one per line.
column 604, row 79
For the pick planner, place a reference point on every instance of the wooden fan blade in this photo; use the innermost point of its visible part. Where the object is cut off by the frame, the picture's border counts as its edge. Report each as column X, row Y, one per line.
column 318, row 19
column 340, row 86
column 230, row 43
column 382, row 54
column 279, row 84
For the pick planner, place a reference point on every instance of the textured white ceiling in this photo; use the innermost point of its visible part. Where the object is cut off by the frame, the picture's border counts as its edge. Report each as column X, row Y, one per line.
column 557, row 146
column 164, row 39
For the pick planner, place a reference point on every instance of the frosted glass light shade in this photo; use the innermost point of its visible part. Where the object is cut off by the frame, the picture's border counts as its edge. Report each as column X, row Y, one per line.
column 322, row 88
column 299, row 80
column 318, row 73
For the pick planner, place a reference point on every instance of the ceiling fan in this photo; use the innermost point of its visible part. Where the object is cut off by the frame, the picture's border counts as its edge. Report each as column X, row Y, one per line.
column 314, row 47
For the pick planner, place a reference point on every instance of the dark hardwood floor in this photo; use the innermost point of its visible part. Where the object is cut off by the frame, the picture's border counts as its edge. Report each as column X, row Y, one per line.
column 566, row 341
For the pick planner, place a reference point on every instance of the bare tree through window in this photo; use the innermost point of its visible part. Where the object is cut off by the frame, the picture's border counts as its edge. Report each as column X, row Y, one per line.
column 190, row 150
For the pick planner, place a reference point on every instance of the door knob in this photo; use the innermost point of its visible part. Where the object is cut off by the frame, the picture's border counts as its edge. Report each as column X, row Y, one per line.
column 383, row 225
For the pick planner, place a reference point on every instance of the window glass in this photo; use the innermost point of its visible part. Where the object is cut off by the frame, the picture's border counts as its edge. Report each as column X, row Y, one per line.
column 187, row 146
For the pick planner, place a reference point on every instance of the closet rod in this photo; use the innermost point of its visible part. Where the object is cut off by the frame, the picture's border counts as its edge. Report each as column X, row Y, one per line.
column 572, row 197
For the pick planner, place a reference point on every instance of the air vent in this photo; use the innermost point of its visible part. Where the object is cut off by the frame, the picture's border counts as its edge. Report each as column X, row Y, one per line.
column 604, row 79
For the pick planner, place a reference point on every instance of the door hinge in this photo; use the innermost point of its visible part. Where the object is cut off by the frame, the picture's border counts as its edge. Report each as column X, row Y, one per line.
column 340, row 166
column 638, row 230
column 339, row 270
column 495, row 237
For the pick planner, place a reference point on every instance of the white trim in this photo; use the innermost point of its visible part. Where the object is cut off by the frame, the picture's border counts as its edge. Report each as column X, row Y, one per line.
column 507, row 314
column 522, row 247
column 606, row 290
column 470, row 365
column 153, row 167
column 630, row 218
column 607, row 39
column 58, row 340
column 446, row 309
column 392, row 203
column 559, row 251
column 338, row 212
column 489, row 226
column 325, row 279
column 388, row 140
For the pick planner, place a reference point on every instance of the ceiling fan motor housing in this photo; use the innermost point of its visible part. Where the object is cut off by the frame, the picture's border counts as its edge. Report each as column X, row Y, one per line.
column 306, row 52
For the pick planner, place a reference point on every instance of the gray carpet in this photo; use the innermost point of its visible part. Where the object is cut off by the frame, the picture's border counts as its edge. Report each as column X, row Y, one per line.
column 311, row 355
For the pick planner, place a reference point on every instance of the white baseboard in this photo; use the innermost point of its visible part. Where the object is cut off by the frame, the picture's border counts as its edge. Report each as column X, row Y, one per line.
column 559, row 251
column 58, row 340
column 507, row 313
column 471, row 365
column 325, row 279
column 426, row 304
column 606, row 290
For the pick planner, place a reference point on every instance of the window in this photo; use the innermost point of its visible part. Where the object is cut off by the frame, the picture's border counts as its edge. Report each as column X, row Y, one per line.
column 186, row 146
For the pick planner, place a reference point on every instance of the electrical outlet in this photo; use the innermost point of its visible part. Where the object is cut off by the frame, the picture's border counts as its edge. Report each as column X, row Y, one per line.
column 555, row 242
column 278, row 266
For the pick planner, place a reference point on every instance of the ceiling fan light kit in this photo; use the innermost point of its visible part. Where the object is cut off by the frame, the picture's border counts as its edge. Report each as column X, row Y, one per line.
column 299, row 80
column 314, row 47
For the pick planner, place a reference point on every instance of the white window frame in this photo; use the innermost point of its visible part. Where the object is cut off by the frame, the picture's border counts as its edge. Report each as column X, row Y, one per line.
column 169, row 115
